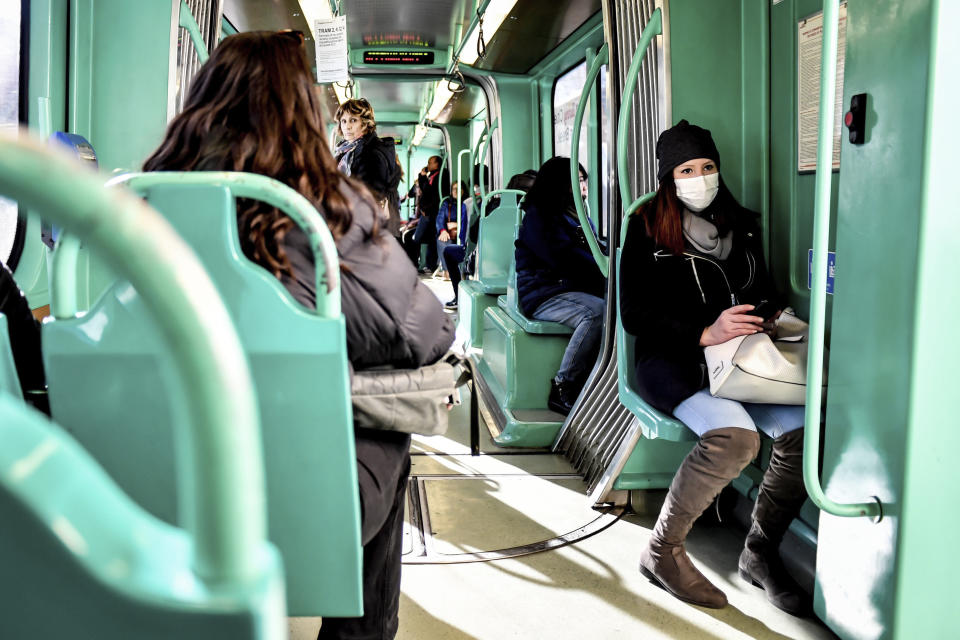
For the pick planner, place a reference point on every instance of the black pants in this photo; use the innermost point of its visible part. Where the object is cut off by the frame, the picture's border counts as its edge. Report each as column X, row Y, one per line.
column 383, row 464
column 426, row 233
column 452, row 256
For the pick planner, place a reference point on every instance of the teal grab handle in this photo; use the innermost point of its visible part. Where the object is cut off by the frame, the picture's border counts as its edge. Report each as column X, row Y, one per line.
column 481, row 9
column 443, row 164
column 483, row 157
column 636, row 204
column 188, row 22
column 598, row 61
column 475, row 155
column 63, row 276
column 498, row 192
column 224, row 475
column 654, row 27
column 818, row 293
column 459, row 176
column 274, row 193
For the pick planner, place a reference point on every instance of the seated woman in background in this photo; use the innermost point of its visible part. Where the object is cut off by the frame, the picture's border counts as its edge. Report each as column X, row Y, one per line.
column 368, row 158
column 451, row 232
column 557, row 278
column 252, row 107
column 692, row 270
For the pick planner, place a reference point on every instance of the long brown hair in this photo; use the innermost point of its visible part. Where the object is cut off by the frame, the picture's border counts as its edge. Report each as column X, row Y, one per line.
column 663, row 216
column 252, row 107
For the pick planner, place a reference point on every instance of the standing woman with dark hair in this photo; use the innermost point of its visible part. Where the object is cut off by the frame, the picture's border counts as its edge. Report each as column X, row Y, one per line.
column 557, row 278
column 252, row 107
column 368, row 158
column 692, row 272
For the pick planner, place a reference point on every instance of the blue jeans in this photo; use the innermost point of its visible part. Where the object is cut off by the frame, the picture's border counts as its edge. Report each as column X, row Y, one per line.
column 701, row 412
column 583, row 313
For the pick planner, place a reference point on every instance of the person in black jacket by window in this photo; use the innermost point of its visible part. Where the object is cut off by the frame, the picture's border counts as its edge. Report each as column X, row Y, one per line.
column 557, row 278
column 368, row 158
column 24, row 336
column 252, row 107
column 692, row 272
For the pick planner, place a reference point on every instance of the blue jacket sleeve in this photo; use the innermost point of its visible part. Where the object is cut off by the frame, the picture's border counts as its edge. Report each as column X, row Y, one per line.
column 443, row 215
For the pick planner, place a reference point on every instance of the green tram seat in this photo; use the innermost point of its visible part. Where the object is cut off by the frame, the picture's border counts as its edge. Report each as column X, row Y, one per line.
column 494, row 257
column 80, row 559
column 9, row 381
column 520, row 356
column 110, row 385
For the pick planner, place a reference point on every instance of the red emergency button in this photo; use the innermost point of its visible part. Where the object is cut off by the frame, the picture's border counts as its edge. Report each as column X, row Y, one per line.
column 856, row 118
column 848, row 118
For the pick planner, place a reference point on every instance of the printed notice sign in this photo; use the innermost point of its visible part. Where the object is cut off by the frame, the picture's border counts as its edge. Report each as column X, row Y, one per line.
column 330, row 38
column 809, row 52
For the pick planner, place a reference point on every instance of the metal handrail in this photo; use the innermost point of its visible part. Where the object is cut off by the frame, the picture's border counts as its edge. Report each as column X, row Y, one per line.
column 222, row 485
column 475, row 155
column 818, row 292
column 274, row 193
column 654, row 27
column 188, row 22
column 483, row 157
column 473, row 25
column 459, row 181
column 598, row 61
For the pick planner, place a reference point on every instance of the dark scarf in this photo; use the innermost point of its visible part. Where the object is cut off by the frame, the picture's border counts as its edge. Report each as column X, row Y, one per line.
column 345, row 153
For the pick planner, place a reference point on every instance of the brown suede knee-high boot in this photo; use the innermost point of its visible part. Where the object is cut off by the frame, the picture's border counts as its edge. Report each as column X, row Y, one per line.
column 782, row 493
column 717, row 459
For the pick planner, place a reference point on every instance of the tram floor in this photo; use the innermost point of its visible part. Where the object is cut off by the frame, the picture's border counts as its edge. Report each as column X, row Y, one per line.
column 459, row 505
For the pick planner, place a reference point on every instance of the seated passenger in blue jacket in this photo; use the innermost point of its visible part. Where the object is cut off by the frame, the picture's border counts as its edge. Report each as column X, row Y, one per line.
column 452, row 232
column 557, row 278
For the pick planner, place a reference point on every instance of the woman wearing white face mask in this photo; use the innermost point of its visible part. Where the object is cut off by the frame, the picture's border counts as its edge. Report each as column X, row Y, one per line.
column 692, row 273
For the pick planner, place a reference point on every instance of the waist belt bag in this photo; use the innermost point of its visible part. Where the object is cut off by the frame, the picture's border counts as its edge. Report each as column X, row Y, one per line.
column 761, row 369
column 409, row 400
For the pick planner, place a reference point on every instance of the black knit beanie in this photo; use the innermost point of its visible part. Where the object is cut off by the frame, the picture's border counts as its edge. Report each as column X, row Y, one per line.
column 683, row 142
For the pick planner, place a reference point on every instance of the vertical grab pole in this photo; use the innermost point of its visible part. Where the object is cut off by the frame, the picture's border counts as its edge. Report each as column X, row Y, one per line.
column 475, row 155
column 459, row 182
column 818, row 293
column 483, row 157
column 602, row 261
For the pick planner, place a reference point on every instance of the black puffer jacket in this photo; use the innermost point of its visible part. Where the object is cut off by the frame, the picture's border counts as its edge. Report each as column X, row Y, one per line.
column 24, row 333
column 666, row 301
column 392, row 318
column 375, row 165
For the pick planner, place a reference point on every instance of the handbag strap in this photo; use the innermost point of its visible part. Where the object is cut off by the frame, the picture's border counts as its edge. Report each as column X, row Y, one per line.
column 468, row 375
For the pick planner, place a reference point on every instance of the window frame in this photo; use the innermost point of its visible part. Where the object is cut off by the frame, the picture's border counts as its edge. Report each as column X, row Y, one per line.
column 23, row 104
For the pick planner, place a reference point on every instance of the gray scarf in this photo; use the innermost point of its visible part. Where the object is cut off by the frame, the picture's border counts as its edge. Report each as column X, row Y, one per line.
column 704, row 237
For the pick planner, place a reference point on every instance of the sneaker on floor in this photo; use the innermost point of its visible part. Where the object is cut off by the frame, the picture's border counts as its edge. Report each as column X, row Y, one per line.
column 561, row 397
column 450, row 304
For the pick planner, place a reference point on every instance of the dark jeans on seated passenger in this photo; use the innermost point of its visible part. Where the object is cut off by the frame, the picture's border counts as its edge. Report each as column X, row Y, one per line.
column 452, row 256
column 383, row 464
column 583, row 313
column 426, row 233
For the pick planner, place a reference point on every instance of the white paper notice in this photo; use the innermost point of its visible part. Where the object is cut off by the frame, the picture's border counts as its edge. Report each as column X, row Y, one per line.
column 809, row 52
column 330, row 38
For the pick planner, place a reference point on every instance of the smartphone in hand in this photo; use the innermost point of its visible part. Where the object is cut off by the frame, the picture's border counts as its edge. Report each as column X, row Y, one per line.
column 764, row 309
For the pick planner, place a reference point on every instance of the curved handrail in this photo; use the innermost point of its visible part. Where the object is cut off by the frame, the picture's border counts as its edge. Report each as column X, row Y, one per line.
column 818, row 292
column 188, row 22
column 654, row 27
column 274, row 193
column 497, row 192
column 599, row 60
column 459, row 175
column 483, row 157
column 636, row 204
column 223, row 483
column 443, row 164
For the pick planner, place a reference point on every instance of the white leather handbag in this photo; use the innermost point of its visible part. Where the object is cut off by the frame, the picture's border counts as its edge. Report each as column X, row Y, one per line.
column 761, row 369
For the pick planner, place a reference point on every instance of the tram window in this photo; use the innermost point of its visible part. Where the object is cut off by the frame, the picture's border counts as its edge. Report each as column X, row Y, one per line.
column 566, row 96
column 9, row 112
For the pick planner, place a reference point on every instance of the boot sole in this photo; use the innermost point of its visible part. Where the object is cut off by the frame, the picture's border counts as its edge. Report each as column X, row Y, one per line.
column 799, row 613
column 656, row 581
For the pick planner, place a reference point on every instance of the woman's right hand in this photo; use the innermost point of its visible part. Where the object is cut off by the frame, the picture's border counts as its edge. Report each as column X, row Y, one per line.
column 444, row 236
column 733, row 322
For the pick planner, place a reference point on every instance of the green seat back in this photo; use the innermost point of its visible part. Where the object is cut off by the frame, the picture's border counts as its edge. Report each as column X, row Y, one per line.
column 81, row 560
column 112, row 358
column 654, row 423
column 9, row 381
column 510, row 303
column 495, row 245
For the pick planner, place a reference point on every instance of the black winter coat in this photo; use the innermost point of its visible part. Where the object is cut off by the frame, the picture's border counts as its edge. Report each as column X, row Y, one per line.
column 553, row 258
column 24, row 333
column 392, row 318
column 666, row 301
column 375, row 164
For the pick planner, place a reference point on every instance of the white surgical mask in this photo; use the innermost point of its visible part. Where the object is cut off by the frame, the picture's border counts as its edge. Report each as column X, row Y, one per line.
column 697, row 193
